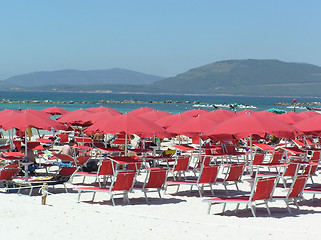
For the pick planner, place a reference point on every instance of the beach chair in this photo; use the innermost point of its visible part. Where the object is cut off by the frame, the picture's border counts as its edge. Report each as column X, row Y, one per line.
column 261, row 192
column 207, row 176
column 155, row 179
column 122, row 184
column 294, row 193
column 106, row 168
column 63, row 176
column 180, row 166
column 233, row 175
column 7, row 174
column 62, row 138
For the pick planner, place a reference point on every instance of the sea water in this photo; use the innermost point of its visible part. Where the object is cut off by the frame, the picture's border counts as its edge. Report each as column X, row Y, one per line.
column 179, row 103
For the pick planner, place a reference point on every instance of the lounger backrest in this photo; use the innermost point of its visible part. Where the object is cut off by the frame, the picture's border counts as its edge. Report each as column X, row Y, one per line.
column 8, row 173
column 67, row 171
column 258, row 159
column 235, row 172
column 315, row 157
column 277, row 157
column 181, row 164
column 81, row 160
column 157, row 178
column 297, row 186
column 264, row 188
column 106, row 167
column 124, row 181
column 63, row 138
column 208, row 174
column 291, row 170
column 230, row 149
column 310, row 169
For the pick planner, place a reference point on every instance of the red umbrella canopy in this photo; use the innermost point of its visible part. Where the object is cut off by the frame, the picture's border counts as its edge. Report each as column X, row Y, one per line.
column 97, row 116
column 308, row 114
column 55, row 111
column 154, row 115
column 141, row 110
column 23, row 119
column 193, row 127
column 75, row 118
column 265, row 114
column 170, row 120
column 310, row 125
column 249, row 124
column 103, row 109
column 35, row 112
column 195, row 112
column 245, row 112
column 220, row 114
column 290, row 117
column 128, row 124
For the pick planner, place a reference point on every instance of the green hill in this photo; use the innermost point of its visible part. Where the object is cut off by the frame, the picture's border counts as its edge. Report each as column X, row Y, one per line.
column 247, row 77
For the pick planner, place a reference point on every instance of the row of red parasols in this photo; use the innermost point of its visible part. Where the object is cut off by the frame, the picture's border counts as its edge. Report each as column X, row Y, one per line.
column 148, row 122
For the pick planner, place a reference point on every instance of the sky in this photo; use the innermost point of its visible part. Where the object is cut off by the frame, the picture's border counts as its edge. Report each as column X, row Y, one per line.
column 158, row 37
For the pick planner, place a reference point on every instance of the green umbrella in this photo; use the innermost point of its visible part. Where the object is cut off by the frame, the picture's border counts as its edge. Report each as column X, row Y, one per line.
column 276, row 110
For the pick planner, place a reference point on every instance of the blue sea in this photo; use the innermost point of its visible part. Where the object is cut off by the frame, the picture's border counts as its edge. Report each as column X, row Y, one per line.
column 180, row 103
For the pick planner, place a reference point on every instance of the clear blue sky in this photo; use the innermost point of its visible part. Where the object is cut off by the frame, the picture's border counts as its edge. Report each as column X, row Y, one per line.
column 160, row 37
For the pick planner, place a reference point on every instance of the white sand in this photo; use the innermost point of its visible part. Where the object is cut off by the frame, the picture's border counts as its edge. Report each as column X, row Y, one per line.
column 181, row 215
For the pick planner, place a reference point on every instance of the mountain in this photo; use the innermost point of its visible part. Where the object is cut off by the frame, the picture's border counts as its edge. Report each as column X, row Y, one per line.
column 247, row 77
column 77, row 77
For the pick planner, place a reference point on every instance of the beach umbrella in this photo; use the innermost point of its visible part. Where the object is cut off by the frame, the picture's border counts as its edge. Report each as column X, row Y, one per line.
column 193, row 127
column 74, row 118
column 27, row 119
column 249, row 124
column 310, row 125
column 290, row 117
column 195, row 112
column 220, row 114
column 141, row 110
column 103, row 109
column 308, row 114
column 55, row 111
column 265, row 114
column 94, row 117
column 154, row 115
column 35, row 112
column 128, row 124
column 246, row 111
column 170, row 120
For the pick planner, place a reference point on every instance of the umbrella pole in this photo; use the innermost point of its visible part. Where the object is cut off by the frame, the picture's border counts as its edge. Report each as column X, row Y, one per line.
column 126, row 145
column 26, row 163
column 251, row 149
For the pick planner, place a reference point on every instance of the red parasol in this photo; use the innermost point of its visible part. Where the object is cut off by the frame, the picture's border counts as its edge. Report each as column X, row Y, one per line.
column 103, row 109
column 55, row 111
column 170, row 120
column 141, row 110
column 195, row 112
column 25, row 119
column 193, row 127
column 220, row 114
column 128, row 124
column 249, row 124
column 75, row 118
column 310, row 125
column 154, row 115
column 290, row 117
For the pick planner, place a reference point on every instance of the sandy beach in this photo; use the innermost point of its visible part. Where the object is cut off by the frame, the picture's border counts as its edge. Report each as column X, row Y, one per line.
column 182, row 215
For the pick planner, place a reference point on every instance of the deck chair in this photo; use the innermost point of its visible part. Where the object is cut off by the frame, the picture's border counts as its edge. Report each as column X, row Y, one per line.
column 106, row 169
column 62, row 138
column 232, row 176
column 294, row 193
column 7, row 173
column 180, row 166
column 261, row 191
column 121, row 185
column 207, row 176
column 63, row 176
column 311, row 169
column 155, row 179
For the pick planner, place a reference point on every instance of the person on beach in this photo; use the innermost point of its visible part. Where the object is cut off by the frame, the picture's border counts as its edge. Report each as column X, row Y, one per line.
column 30, row 157
column 69, row 149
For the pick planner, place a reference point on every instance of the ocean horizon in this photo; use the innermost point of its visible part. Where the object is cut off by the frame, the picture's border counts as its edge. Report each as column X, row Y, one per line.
column 126, row 102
